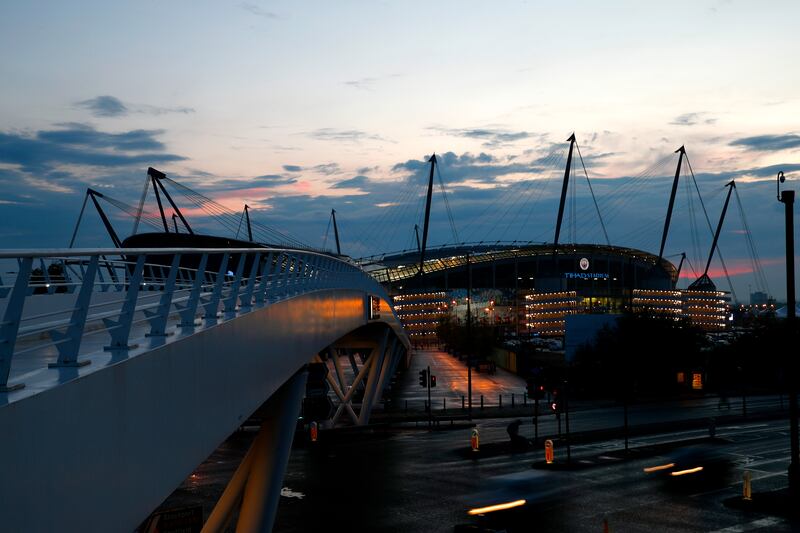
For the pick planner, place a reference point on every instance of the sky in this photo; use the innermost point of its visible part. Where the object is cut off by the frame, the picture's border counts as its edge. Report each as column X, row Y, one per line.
column 297, row 108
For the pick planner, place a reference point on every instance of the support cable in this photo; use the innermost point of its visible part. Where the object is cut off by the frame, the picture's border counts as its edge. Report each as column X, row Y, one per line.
column 447, row 206
column 327, row 231
column 78, row 222
column 708, row 221
column 138, row 214
column 617, row 200
column 693, row 232
column 591, row 190
column 691, row 266
column 239, row 227
column 539, row 193
column 392, row 216
column 519, row 198
column 761, row 279
column 530, row 196
column 225, row 217
column 514, row 195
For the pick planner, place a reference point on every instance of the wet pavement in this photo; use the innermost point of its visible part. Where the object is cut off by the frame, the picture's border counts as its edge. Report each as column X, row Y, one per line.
column 451, row 383
column 402, row 478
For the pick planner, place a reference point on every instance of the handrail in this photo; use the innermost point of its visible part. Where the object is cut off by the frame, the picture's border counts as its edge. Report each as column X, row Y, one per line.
column 201, row 288
column 80, row 252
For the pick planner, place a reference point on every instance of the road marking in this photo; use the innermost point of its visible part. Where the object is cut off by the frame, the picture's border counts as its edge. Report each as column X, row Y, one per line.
column 286, row 492
column 768, row 475
column 708, row 492
column 751, row 526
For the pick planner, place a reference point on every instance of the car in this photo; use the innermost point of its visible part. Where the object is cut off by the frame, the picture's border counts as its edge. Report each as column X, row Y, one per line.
column 704, row 461
column 507, row 501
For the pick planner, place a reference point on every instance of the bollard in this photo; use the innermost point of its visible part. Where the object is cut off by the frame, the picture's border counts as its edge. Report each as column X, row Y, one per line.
column 712, row 427
column 474, row 440
column 314, row 431
column 548, row 451
column 444, row 404
column 481, row 401
column 406, row 406
column 501, row 401
column 525, row 399
column 512, row 399
column 746, row 487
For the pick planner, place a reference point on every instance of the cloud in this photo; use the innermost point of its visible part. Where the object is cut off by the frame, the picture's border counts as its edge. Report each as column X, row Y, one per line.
column 81, row 144
column 328, row 169
column 367, row 170
column 751, row 175
column 271, row 180
column 356, row 182
column 483, row 167
column 77, row 134
column 111, row 106
column 104, row 106
column 365, row 84
column 156, row 110
column 769, row 143
column 340, row 135
column 266, row 181
column 257, row 10
column 491, row 137
column 691, row 119
column 368, row 83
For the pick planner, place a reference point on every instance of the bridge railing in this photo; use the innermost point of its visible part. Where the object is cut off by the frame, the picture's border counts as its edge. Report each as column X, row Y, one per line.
column 52, row 301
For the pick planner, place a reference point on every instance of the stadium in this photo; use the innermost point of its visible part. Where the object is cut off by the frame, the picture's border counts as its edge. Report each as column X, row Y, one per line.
column 534, row 287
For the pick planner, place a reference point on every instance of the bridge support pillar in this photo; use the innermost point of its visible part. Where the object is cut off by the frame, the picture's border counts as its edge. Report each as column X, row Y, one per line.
column 258, row 480
column 372, row 381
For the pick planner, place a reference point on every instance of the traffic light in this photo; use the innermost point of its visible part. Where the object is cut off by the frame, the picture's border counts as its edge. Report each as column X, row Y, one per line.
column 423, row 378
column 535, row 392
column 555, row 404
column 433, row 380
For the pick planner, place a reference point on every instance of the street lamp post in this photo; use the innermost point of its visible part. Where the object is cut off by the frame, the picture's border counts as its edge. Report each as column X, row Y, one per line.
column 469, row 337
column 787, row 198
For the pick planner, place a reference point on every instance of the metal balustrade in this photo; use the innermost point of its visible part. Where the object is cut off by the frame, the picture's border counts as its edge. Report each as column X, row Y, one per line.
column 124, row 294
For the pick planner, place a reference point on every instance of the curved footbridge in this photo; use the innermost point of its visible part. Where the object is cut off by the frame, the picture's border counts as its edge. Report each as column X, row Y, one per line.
column 122, row 370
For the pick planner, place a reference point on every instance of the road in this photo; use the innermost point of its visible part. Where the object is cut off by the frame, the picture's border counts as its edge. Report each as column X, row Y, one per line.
column 404, row 477
column 422, row 481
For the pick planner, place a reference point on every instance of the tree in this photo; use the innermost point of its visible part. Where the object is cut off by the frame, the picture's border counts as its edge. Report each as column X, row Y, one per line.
column 638, row 355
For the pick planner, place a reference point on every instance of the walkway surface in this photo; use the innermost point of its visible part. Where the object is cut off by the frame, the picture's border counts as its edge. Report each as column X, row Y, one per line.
column 451, row 382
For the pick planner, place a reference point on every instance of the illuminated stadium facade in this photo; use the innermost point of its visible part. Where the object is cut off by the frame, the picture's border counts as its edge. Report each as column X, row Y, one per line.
column 545, row 282
column 603, row 277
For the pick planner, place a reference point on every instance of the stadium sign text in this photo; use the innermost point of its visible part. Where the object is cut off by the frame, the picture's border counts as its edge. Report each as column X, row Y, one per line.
column 585, row 275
